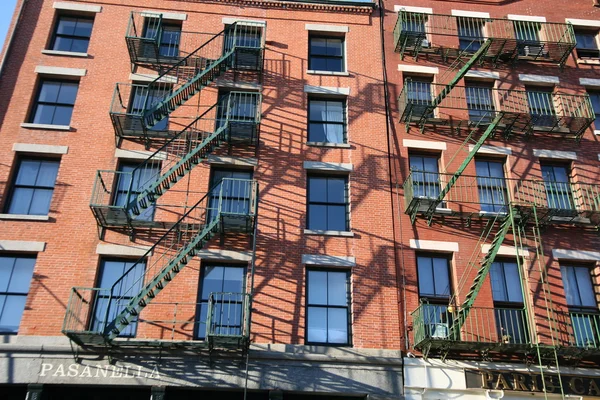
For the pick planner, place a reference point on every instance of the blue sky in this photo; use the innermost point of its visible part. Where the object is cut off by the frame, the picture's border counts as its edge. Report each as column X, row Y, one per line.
column 7, row 8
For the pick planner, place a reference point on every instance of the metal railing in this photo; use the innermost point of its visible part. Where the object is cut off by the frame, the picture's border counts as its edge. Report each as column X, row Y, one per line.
column 485, row 325
column 553, row 112
column 583, row 329
column 226, row 204
column 541, row 41
column 228, row 315
column 496, row 194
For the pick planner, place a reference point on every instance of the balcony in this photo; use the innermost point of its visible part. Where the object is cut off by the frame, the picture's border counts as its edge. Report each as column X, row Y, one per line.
column 499, row 329
column 480, row 196
column 580, row 333
column 221, row 323
column 448, row 37
column 524, row 112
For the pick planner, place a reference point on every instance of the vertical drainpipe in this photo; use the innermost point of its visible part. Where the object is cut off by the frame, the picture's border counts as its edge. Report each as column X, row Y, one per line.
column 12, row 36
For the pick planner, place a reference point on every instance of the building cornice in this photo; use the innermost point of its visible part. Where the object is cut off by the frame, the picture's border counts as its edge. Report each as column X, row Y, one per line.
column 353, row 7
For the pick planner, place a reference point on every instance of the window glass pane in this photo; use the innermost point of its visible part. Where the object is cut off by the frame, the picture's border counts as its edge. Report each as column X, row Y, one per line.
column 318, row 63
column 570, row 284
column 337, row 289
column 44, row 114
column 337, row 325
column 317, row 324
column 27, row 174
column 334, row 133
column 233, row 280
column 21, row 275
column 20, row 201
column 6, row 268
column 66, row 25
column 40, row 202
column 12, row 313
column 586, row 40
column 334, row 64
column 62, row 115
column 426, row 279
column 213, row 281
column 80, row 45
column 586, row 290
column 440, row 272
column 317, row 217
column 336, row 190
column 318, row 133
column 513, row 282
column 334, row 47
column 111, row 271
column 49, row 92
column 63, row 44
column 67, row 93
column 83, row 28
column 498, row 282
column 47, row 174
column 317, row 287
column 335, row 111
column 317, row 189
column 318, row 46
column 317, row 110
column 336, row 218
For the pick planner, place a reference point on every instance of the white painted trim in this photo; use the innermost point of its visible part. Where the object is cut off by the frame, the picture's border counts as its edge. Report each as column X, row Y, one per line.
column 554, row 80
column 108, row 249
column 470, row 14
column 335, row 73
column 328, row 261
column 22, row 245
column 165, row 15
column 483, row 75
column 243, row 21
column 584, row 255
column 49, row 127
column 139, row 154
column 151, row 78
column 326, row 144
column 338, row 91
column 225, row 255
column 328, row 233
column 433, row 245
column 418, row 69
column 506, row 251
column 326, row 28
column 486, row 149
column 530, row 18
column 328, row 166
column 24, row 217
column 423, row 144
column 64, row 53
column 583, row 22
column 596, row 132
column 589, row 82
column 39, row 148
column 238, row 161
column 422, row 10
column 45, row 70
column 222, row 83
column 63, row 5
column 561, row 155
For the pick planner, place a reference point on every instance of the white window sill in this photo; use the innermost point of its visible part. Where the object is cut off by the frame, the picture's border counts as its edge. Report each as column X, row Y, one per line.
column 590, row 61
column 315, row 72
column 327, row 144
column 328, row 233
column 596, row 132
column 24, row 217
column 65, row 53
column 46, row 126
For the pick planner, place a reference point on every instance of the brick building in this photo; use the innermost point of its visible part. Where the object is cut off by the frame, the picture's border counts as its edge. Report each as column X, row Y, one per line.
column 293, row 199
column 497, row 185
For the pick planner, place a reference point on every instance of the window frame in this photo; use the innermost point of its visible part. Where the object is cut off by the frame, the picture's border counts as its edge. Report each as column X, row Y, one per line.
column 13, row 185
column 318, row 174
column 348, row 306
column 342, row 57
column 424, row 183
column 442, row 256
column 489, row 187
column 569, row 194
column 587, row 52
column 136, row 91
column 595, row 94
column 538, row 107
column 584, row 308
column 55, row 33
column 134, row 193
column 480, row 87
column 36, row 102
column 434, row 306
column 472, row 22
column 199, row 295
column 20, row 294
column 344, row 122
column 165, row 25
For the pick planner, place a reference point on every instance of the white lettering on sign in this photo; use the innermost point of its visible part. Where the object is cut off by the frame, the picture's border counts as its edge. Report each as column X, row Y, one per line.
column 101, row 371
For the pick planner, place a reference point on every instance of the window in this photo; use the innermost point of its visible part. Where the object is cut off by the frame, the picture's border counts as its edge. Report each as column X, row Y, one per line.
column 491, row 185
column 434, row 293
column 139, row 104
column 234, row 188
column 124, row 279
column 558, row 187
column 419, row 96
column 413, row 23
column 247, row 40
column 541, row 106
column 226, row 284
column 328, row 307
column 527, row 34
column 54, row 102
column 511, row 323
column 326, row 121
column 328, row 203
column 470, row 33
column 583, row 305
column 326, row 54
column 595, row 99
column 480, row 102
column 142, row 178
column 15, row 277
column 72, row 33
column 169, row 39
column 237, row 106
column 425, row 176
column 587, row 43
column 33, row 186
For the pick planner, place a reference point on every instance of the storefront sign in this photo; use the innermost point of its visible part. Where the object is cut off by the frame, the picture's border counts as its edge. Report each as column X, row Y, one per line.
column 98, row 371
column 526, row 382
